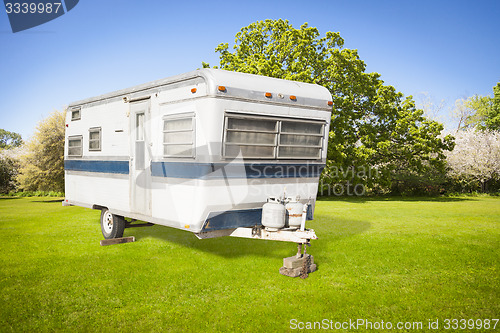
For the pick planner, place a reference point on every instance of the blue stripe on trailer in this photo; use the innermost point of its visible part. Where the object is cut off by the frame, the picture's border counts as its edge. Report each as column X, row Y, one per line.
column 234, row 170
column 181, row 170
column 120, row 167
column 203, row 170
column 233, row 219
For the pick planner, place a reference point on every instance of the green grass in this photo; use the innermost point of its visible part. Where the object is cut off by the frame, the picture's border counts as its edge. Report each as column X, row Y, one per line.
column 389, row 259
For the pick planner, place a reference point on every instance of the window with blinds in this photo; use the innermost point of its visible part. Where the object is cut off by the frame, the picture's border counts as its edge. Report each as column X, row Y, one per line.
column 76, row 114
column 75, row 145
column 95, row 139
column 270, row 138
column 178, row 137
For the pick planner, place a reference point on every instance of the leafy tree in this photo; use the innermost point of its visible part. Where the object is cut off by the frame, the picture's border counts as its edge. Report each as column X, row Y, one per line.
column 493, row 119
column 9, row 139
column 476, row 157
column 42, row 166
column 372, row 124
column 9, row 166
column 478, row 111
column 9, row 163
column 482, row 108
column 463, row 114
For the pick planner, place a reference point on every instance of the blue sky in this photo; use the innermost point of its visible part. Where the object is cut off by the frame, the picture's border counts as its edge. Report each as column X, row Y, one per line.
column 446, row 49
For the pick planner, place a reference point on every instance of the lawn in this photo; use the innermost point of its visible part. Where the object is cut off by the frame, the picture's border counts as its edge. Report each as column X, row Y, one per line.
column 379, row 259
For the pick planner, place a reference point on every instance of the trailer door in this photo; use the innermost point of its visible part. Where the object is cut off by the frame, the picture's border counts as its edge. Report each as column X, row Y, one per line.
column 140, row 151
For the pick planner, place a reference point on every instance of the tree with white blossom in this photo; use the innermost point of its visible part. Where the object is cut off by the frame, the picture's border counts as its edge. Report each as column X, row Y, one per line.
column 476, row 156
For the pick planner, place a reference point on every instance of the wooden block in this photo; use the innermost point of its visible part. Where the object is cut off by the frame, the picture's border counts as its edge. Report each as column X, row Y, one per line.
column 113, row 241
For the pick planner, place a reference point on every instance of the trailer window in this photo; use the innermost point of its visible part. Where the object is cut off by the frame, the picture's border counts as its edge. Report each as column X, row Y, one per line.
column 75, row 145
column 272, row 138
column 76, row 114
column 95, row 139
column 178, row 136
column 300, row 140
column 253, row 137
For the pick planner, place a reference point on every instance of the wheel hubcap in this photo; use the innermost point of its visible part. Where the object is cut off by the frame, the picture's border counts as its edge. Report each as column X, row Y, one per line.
column 108, row 222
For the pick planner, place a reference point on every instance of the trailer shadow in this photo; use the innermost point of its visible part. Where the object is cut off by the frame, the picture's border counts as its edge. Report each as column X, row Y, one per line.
column 328, row 231
column 364, row 199
column 49, row 201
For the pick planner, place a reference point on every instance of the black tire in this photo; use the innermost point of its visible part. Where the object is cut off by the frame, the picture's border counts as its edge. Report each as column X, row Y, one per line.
column 112, row 226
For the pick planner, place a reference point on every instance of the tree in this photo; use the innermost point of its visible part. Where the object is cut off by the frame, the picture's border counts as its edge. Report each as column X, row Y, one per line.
column 9, row 163
column 42, row 166
column 462, row 114
column 476, row 157
column 493, row 119
column 482, row 107
column 478, row 111
column 9, row 166
column 9, row 139
column 372, row 124
column 431, row 109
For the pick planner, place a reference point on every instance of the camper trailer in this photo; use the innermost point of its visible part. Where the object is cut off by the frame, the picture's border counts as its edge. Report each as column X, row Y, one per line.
column 213, row 152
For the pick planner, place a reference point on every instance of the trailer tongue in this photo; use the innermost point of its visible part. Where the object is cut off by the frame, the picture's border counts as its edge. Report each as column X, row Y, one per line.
column 279, row 225
column 299, row 265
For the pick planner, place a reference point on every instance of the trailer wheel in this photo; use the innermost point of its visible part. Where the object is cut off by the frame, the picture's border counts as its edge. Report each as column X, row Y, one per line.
column 112, row 226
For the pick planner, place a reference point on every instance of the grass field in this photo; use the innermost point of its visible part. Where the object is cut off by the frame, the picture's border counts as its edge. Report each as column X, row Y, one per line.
column 390, row 259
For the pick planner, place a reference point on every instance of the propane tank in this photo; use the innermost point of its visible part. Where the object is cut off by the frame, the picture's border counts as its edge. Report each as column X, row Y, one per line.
column 294, row 213
column 273, row 214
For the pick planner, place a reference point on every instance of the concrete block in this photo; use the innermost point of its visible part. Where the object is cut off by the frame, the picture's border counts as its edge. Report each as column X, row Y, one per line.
column 294, row 262
column 295, row 272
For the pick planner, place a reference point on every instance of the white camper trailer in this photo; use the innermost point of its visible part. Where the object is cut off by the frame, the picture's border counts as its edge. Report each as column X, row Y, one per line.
column 213, row 152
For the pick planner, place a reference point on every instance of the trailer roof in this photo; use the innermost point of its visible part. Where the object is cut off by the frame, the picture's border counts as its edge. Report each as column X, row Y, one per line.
column 238, row 85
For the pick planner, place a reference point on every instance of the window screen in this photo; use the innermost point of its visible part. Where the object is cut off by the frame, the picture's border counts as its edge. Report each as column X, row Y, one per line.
column 178, row 137
column 75, row 145
column 267, row 138
column 95, row 139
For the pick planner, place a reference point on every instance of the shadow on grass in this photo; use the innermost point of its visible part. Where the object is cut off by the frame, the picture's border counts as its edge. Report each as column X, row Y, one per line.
column 232, row 247
column 354, row 199
column 45, row 201
column 49, row 201
column 338, row 229
column 228, row 247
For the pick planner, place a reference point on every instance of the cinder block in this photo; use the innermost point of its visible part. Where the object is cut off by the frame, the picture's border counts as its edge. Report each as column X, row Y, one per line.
column 295, row 272
column 294, row 262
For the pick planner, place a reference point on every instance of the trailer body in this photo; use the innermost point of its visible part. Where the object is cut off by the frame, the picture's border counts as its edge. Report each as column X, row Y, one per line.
column 201, row 151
